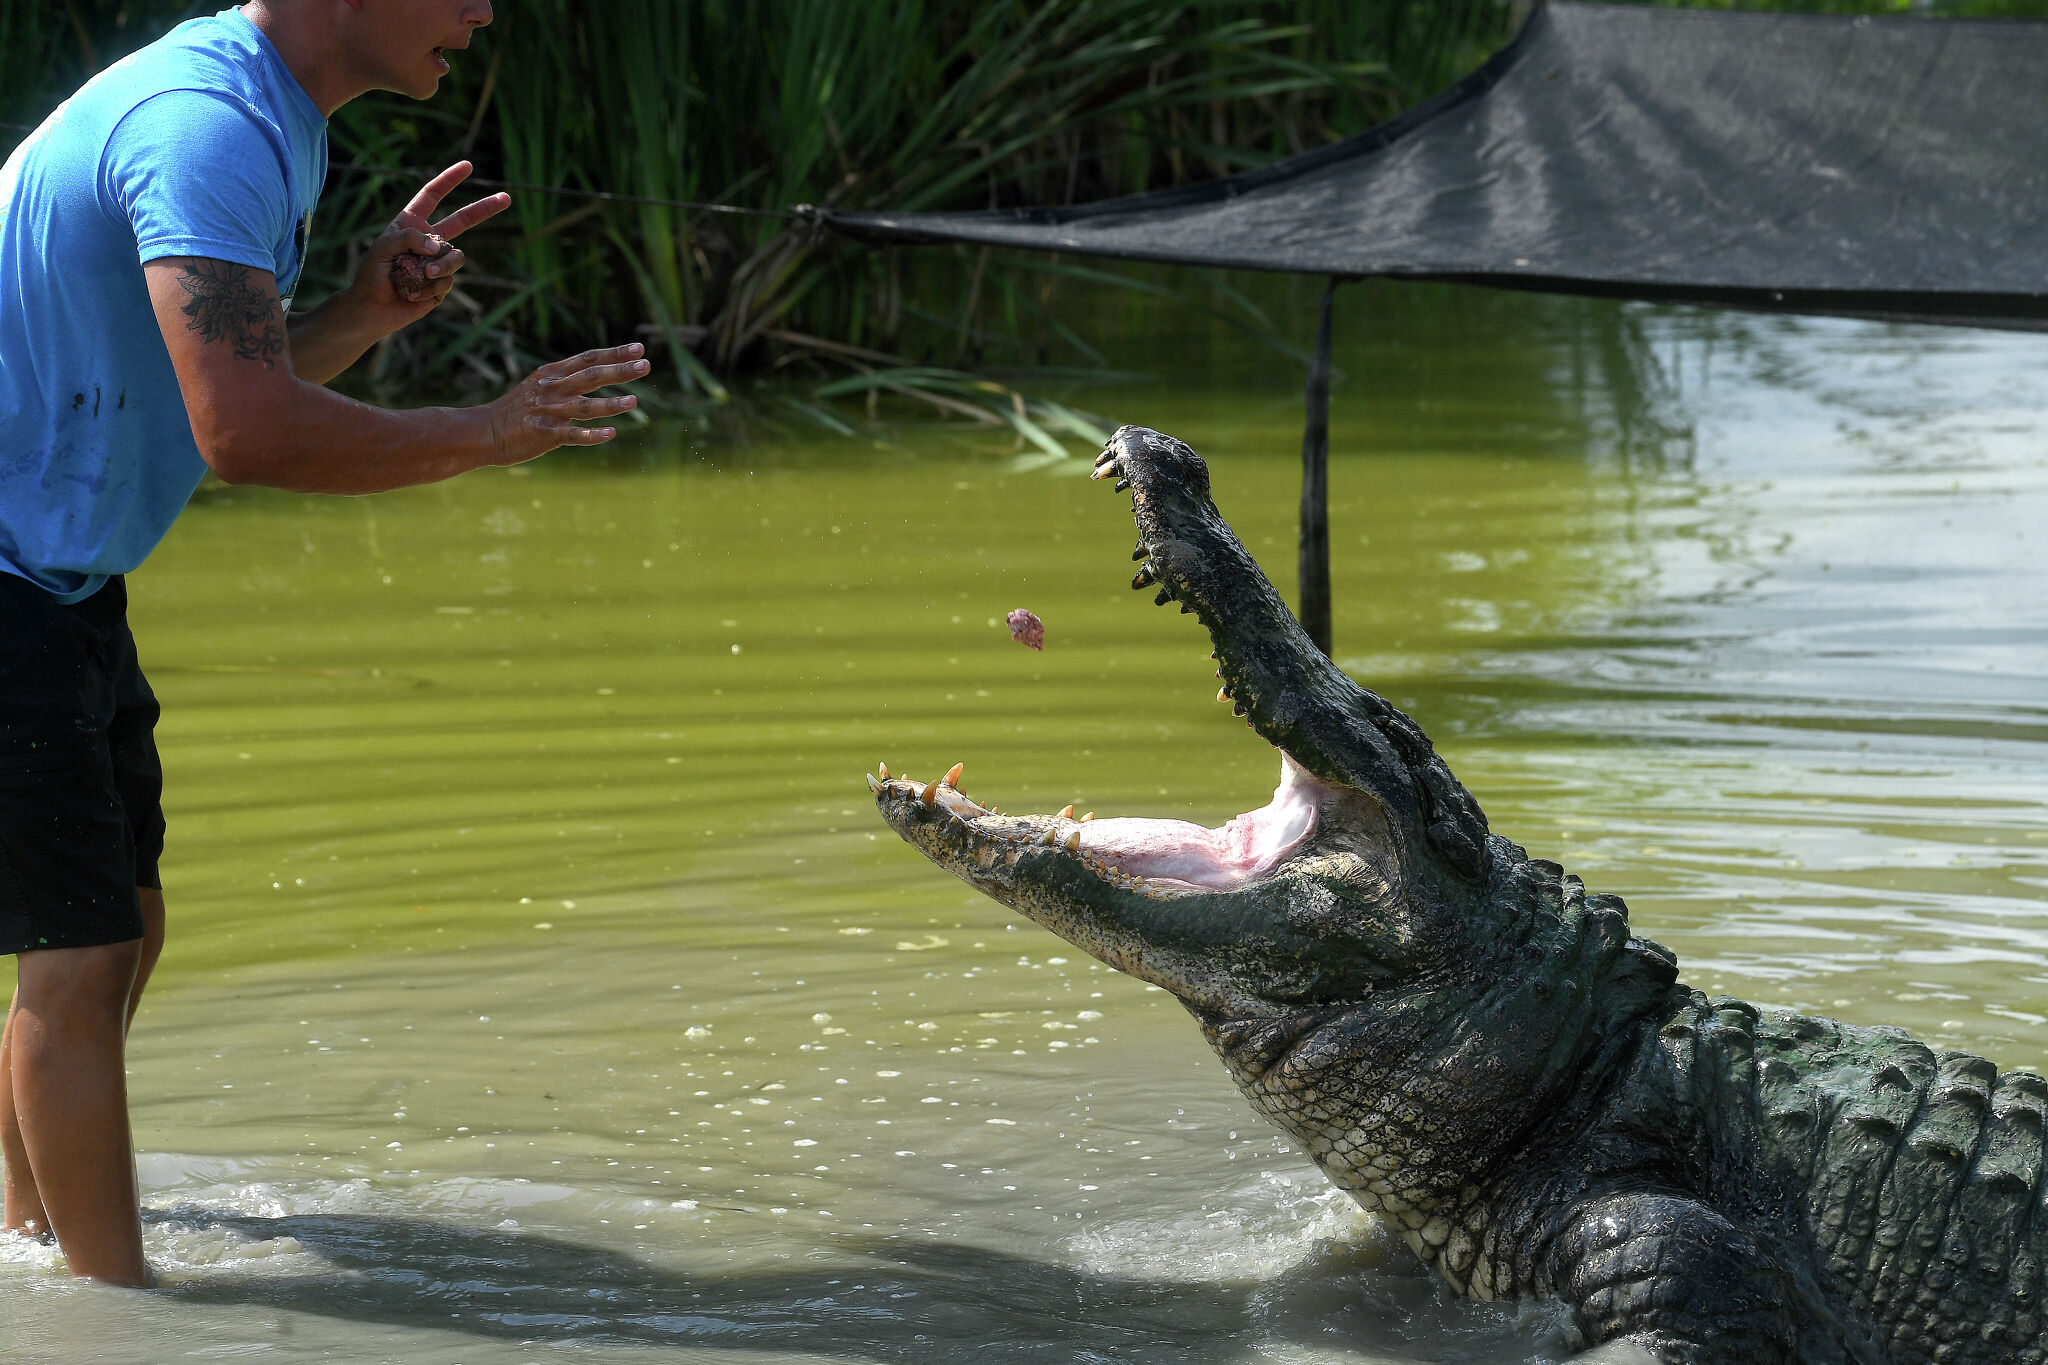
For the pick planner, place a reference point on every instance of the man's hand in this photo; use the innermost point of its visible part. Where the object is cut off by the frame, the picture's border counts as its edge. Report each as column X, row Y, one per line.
column 540, row 412
column 327, row 339
column 375, row 298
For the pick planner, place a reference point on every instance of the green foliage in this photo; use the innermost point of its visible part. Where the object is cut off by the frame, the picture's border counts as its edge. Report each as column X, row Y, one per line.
column 761, row 104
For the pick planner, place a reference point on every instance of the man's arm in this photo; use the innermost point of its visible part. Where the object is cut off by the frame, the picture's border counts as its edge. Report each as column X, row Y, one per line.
column 257, row 421
column 330, row 337
column 327, row 338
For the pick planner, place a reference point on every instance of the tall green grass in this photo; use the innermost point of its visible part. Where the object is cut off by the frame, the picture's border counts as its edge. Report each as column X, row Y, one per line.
column 761, row 104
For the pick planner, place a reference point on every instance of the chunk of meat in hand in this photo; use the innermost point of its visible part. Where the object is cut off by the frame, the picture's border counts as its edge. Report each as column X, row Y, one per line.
column 409, row 276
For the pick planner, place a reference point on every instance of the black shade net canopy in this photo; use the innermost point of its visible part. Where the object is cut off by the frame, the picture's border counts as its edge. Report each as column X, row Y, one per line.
column 1891, row 168
column 1886, row 168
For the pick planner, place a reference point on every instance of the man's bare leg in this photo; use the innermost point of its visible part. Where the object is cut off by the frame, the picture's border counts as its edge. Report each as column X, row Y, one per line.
column 24, row 1212
column 24, row 1202
column 65, row 1053
column 152, row 901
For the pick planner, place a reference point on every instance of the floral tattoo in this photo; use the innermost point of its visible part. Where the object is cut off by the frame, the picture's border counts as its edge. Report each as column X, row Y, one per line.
column 226, row 307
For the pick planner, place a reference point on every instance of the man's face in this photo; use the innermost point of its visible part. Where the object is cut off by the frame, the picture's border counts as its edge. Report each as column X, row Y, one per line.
column 399, row 44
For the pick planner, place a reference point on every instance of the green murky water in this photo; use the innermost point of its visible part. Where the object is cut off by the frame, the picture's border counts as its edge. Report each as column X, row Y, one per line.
column 540, row 981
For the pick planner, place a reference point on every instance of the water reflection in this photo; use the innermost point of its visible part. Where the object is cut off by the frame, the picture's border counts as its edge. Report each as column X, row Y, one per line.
column 918, row 1302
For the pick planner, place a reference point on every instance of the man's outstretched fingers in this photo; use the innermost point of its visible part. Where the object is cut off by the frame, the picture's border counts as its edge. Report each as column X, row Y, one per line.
column 597, row 376
column 584, row 408
column 469, row 215
column 421, row 209
column 434, row 191
column 558, row 371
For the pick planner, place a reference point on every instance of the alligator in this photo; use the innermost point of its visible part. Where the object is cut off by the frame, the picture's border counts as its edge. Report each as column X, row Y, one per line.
column 1478, row 1049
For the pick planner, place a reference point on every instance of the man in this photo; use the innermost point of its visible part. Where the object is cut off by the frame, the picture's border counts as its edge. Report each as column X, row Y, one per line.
column 151, row 233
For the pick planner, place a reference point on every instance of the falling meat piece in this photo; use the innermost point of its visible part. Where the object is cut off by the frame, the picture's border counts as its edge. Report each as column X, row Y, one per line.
column 1027, row 629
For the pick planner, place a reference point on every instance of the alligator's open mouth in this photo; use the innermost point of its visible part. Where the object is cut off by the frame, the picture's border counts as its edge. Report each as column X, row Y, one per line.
column 1303, row 900
column 1161, row 858
column 1158, row 856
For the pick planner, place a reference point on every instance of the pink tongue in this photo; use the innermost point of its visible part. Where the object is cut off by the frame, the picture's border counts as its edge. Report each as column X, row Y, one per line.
column 1247, row 848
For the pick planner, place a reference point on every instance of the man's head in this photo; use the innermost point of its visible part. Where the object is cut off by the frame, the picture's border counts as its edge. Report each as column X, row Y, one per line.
column 398, row 45
column 340, row 49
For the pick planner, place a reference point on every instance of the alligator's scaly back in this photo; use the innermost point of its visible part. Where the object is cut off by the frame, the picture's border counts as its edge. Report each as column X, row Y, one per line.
column 1478, row 1049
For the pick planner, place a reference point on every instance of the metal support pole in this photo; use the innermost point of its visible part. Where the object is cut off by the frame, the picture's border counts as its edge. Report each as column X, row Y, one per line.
column 1314, row 610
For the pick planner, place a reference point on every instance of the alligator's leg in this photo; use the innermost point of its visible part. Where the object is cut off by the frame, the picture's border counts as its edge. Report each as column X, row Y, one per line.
column 1672, row 1276
column 1290, row 692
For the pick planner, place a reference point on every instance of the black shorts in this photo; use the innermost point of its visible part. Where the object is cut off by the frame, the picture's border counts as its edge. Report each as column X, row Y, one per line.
column 81, row 814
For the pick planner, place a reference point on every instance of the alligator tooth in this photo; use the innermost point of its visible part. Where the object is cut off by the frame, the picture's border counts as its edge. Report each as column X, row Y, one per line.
column 1185, row 609
column 1106, row 466
column 930, row 794
column 1066, row 813
column 1237, row 708
column 952, row 777
column 1089, row 816
column 1140, row 552
column 1223, row 694
column 1074, row 842
column 873, row 785
column 1143, row 578
column 1051, row 839
column 1122, row 484
column 1165, row 596
column 883, row 769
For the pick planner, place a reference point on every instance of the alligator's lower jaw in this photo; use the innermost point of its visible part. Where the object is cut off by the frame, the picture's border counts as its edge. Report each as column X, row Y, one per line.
column 1160, row 857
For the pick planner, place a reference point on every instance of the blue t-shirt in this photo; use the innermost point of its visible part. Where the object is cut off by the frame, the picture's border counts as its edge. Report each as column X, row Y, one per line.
column 201, row 144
